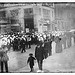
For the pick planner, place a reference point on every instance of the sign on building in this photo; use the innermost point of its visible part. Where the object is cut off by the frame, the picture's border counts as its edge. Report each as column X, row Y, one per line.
column 27, row 30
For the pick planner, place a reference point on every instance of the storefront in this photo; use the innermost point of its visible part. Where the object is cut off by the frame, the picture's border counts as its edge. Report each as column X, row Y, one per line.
column 21, row 18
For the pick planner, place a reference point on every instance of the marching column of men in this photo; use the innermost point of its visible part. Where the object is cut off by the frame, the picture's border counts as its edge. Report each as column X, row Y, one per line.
column 21, row 43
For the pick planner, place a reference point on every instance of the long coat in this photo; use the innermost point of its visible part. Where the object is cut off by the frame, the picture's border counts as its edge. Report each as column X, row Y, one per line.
column 22, row 43
column 50, row 47
column 39, row 53
column 3, row 55
column 58, row 47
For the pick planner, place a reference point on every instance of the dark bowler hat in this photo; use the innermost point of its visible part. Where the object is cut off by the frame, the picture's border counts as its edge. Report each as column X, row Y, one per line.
column 30, row 54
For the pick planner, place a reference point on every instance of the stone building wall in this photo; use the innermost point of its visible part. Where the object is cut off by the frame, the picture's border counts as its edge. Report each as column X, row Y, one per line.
column 65, row 14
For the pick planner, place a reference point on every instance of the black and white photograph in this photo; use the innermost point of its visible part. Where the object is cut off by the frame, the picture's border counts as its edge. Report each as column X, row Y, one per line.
column 37, row 37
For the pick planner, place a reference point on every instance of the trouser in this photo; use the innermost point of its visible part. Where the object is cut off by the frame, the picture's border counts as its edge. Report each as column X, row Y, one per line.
column 15, row 47
column 9, row 47
column 40, row 62
column 46, row 54
column 31, row 67
column 49, row 52
column 29, row 43
column 2, row 66
column 23, row 49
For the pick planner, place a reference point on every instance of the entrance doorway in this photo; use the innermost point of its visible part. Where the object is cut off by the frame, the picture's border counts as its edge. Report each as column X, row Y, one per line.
column 29, row 23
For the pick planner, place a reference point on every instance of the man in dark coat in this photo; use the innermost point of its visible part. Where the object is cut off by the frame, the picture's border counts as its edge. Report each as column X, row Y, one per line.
column 15, row 44
column 4, row 59
column 22, row 43
column 46, row 47
column 40, row 55
column 49, row 47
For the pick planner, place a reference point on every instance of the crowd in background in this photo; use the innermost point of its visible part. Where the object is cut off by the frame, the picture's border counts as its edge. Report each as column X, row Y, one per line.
column 21, row 42
column 51, row 44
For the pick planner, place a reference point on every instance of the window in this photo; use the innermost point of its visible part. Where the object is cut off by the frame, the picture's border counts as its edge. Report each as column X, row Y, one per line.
column 13, row 21
column 30, row 10
column 28, row 13
column 2, row 15
column 46, row 13
column 14, row 13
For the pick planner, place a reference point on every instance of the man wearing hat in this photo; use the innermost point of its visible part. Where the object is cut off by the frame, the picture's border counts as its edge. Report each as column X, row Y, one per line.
column 3, row 58
column 40, row 55
column 31, row 61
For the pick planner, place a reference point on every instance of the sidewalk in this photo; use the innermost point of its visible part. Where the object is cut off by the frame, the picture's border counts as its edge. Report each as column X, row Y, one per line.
column 61, row 62
column 18, row 60
column 57, row 63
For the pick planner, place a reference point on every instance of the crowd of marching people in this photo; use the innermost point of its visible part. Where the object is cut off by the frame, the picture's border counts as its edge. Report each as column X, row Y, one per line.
column 17, row 42
column 23, row 42
column 46, row 45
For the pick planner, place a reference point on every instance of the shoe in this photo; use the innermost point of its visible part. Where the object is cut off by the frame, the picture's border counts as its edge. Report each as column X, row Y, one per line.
column 39, row 71
column 42, row 71
column 31, row 71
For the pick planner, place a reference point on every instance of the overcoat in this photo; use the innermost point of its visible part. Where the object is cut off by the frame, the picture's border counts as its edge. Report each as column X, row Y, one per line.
column 39, row 53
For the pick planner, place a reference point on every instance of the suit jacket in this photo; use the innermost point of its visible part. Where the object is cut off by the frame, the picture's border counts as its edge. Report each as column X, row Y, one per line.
column 39, row 53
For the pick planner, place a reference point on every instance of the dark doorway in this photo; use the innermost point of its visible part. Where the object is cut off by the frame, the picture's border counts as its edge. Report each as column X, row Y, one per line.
column 29, row 23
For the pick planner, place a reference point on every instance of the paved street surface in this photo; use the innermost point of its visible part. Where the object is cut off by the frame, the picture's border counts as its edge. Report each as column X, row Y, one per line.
column 18, row 60
column 59, row 62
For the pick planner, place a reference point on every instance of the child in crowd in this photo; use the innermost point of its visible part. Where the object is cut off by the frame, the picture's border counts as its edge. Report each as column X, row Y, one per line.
column 31, row 61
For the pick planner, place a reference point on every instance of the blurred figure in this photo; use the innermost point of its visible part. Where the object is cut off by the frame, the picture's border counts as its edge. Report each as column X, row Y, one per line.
column 31, row 61
column 8, row 43
column 3, row 59
column 22, row 43
column 53, row 45
column 49, row 47
column 15, row 44
column 40, row 55
column 29, row 41
column 58, row 45
column 46, row 47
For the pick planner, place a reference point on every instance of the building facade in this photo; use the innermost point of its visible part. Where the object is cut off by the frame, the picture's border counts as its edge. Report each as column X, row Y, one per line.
column 27, row 18
column 64, row 16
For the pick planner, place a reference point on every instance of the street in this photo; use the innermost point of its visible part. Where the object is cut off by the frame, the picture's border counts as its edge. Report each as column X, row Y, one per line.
column 18, row 60
column 47, row 24
column 59, row 62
